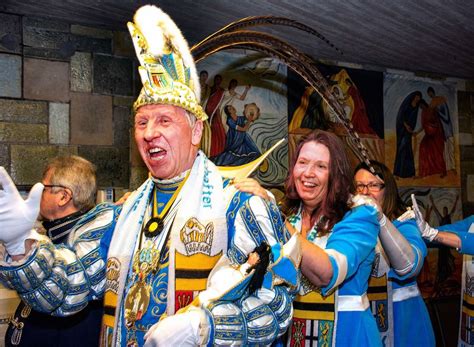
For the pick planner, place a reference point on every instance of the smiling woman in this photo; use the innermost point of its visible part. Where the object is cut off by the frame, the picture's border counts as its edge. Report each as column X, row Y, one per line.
column 337, row 244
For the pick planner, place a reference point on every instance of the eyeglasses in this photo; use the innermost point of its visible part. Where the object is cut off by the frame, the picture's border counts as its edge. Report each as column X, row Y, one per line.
column 68, row 190
column 54, row 186
column 372, row 187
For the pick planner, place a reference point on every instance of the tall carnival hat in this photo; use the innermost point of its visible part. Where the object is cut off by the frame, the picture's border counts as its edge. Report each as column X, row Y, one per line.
column 167, row 68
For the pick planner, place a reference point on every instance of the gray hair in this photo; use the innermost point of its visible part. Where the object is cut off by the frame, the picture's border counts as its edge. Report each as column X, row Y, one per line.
column 191, row 118
column 76, row 174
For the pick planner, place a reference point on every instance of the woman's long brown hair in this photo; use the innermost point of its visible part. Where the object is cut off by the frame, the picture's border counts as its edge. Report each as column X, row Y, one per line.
column 334, row 205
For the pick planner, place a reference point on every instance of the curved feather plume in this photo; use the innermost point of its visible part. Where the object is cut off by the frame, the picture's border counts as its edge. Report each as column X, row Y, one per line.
column 267, row 20
column 294, row 59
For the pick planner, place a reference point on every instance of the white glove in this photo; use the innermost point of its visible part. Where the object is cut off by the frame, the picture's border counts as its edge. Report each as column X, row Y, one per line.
column 182, row 329
column 360, row 199
column 407, row 215
column 17, row 216
column 427, row 232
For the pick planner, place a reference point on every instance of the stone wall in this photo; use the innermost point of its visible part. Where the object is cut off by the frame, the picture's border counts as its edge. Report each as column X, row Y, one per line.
column 64, row 89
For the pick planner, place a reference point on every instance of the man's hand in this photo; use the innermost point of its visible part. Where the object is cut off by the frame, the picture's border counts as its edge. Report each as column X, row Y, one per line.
column 182, row 329
column 17, row 216
column 427, row 232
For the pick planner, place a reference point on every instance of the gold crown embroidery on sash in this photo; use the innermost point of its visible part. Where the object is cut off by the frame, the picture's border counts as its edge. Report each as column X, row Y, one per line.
column 196, row 237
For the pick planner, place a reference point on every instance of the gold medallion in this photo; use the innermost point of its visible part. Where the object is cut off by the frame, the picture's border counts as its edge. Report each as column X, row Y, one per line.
column 136, row 302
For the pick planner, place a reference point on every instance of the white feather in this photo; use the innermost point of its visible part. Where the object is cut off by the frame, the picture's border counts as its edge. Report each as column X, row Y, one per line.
column 155, row 26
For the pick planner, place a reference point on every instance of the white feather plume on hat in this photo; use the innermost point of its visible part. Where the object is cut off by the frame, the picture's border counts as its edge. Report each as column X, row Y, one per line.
column 154, row 35
column 150, row 19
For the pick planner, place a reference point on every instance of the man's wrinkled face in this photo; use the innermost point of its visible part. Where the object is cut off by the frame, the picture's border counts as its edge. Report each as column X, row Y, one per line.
column 49, row 199
column 166, row 140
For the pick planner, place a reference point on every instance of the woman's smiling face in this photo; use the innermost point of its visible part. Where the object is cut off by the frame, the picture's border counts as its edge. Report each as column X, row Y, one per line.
column 311, row 173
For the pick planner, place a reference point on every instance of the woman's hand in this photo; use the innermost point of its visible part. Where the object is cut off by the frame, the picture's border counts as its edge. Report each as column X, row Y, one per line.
column 250, row 185
column 124, row 198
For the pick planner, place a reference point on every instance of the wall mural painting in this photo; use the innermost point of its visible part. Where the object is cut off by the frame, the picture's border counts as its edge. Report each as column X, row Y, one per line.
column 421, row 132
column 245, row 96
column 441, row 272
column 360, row 93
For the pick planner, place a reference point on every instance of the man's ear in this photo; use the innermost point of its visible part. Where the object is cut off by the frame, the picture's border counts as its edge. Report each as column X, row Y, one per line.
column 65, row 197
column 197, row 132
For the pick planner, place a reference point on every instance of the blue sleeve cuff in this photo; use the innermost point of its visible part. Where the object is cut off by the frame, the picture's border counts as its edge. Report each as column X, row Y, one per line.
column 467, row 242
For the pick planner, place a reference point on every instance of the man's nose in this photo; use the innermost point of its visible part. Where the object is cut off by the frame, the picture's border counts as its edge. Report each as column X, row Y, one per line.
column 152, row 131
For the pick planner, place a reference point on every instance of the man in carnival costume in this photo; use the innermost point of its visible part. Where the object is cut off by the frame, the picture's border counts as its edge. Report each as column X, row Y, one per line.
column 183, row 222
column 66, row 209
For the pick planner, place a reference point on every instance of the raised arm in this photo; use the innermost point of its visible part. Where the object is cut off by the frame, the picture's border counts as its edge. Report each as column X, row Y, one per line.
column 351, row 242
column 448, row 237
column 402, row 256
column 17, row 216
column 61, row 279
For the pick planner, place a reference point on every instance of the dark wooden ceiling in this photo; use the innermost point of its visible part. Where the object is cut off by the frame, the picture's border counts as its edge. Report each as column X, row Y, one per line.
column 425, row 36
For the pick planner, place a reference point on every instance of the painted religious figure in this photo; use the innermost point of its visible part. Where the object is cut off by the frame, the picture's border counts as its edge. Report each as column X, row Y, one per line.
column 247, row 109
column 421, row 131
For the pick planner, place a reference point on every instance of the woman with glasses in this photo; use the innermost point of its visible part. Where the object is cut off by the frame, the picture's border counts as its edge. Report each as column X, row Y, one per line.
column 399, row 258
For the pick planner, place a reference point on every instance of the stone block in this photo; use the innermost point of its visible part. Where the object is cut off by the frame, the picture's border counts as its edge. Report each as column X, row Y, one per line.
column 58, row 123
column 91, row 119
column 123, row 44
column 23, row 111
column 122, row 126
column 46, row 53
column 138, row 175
column 44, row 24
column 112, row 165
column 10, row 76
column 46, row 38
column 39, row 38
column 22, row 132
column 81, row 72
column 125, row 101
column 28, row 162
column 135, row 156
column 10, row 26
column 137, row 82
column 91, row 32
column 46, row 80
column 90, row 44
column 112, row 75
column 5, row 156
